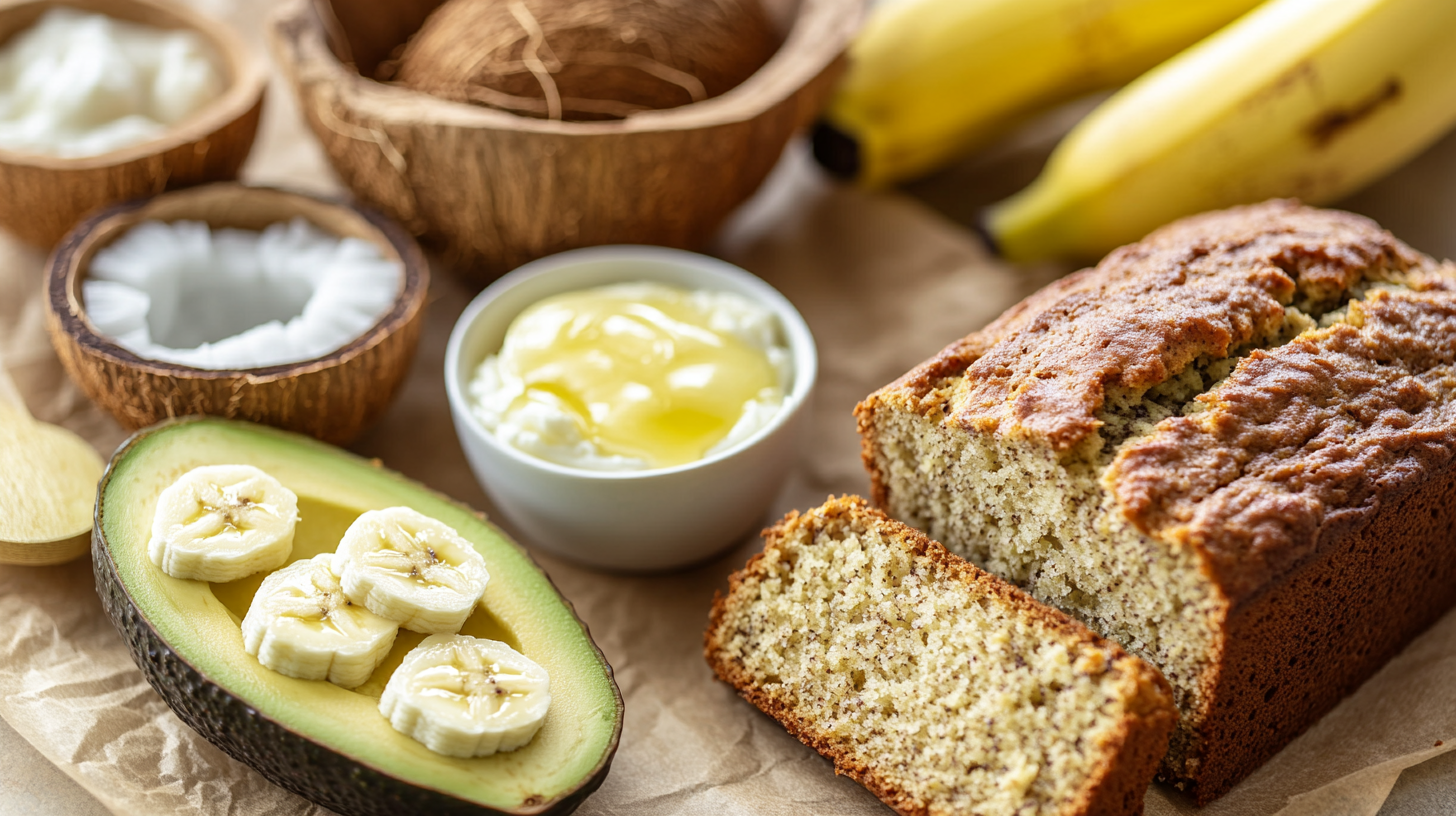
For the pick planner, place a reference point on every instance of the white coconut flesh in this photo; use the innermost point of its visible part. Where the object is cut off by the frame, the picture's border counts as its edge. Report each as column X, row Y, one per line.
column 78, row 84
column 236, row 299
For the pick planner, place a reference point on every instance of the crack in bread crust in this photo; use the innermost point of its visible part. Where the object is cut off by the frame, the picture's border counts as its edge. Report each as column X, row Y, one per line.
column 1301, row 442
column 1199, row 286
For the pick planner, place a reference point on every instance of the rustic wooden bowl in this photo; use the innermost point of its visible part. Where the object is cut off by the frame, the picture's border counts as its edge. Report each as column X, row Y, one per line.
column 44, row 196
column 496, row 190
column 334, row 397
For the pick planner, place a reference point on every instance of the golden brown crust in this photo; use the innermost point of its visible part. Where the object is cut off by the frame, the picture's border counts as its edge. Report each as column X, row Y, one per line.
column 1130, row 756
column 1301, row 442
column 953, row 360
column 918, row 387
column 1200, row 286
column 1293, row 652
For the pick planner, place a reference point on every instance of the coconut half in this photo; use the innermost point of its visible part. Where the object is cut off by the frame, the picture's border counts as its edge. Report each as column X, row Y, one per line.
column 496, row 189
column 46, row 195
column 235, row 299
column 586, row 59
column 126, row 354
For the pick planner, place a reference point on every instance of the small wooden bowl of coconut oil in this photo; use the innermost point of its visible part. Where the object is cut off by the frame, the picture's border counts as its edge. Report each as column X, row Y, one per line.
column 47, row 192
column 187, row 254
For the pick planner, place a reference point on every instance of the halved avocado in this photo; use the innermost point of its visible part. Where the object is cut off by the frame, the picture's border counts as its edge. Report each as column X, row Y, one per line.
column 328, row 744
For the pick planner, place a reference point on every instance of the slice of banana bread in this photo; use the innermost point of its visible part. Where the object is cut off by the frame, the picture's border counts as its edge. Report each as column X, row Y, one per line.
column 1228, row 447
column 941, row 688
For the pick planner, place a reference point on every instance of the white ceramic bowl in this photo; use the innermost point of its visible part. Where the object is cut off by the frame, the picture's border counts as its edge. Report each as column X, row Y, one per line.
column 638, row 520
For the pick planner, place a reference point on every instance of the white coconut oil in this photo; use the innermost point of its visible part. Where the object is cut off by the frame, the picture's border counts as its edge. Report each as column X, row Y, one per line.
column 235, row 299
column 79, row 84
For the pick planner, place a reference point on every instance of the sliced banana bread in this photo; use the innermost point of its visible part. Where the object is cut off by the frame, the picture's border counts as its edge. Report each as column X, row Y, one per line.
column 941, row 688
column 1227, row 447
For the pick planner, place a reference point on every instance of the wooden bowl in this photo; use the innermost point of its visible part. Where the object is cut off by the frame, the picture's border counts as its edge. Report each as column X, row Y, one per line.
column 495, row 189
column 334, row 397
column 46, row 195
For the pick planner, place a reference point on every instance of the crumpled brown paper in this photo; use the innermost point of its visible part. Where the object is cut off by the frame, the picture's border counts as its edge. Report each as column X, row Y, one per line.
column 883, row 282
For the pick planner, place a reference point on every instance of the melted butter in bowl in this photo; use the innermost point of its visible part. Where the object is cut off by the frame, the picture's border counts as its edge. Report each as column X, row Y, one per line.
column 631, row 408
column 634, row 376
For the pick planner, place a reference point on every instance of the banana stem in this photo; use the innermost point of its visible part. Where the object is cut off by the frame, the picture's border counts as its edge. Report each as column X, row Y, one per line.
column 1032, row 225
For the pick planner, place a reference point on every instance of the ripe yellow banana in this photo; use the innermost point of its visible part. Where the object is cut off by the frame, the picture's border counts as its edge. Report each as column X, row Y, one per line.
column 464, row 696
column 221, row 523
column 403, row 565
column 1306, row 98
column 930, row 80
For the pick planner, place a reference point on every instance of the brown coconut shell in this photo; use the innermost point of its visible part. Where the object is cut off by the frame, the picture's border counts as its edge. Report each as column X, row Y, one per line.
column 496, row 189
column 333, row 398
column 588, row 59
column 46, row 195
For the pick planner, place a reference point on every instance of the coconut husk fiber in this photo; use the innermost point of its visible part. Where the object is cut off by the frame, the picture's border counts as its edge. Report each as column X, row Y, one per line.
column 585, row 59
column 494, row 189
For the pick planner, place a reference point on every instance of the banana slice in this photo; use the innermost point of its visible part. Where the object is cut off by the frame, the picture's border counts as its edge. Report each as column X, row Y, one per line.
column 300, row 624
column 467, row 697
column 411, row 568
column 223, row 522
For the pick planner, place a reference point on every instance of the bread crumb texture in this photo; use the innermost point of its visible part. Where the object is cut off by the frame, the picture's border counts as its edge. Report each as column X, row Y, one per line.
column 1149, row 444
column 943, row 689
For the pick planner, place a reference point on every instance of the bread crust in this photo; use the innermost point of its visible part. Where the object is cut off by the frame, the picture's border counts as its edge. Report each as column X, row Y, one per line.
column 1292, row 652
column 1199, row 286
column 1316, row 488
column 1302, row 442
column 1129, row 758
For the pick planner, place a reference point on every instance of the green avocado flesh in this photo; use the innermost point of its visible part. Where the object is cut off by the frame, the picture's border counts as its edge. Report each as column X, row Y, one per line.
column 200, row 622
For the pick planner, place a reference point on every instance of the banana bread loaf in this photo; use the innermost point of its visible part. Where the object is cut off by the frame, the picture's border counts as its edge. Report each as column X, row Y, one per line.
column 1227, row 447
column 939, row 687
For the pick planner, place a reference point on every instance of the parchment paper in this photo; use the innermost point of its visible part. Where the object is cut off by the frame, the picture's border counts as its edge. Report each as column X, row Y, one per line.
column 883, row 281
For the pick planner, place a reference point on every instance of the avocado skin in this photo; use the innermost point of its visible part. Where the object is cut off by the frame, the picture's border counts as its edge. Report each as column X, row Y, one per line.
column 286, row 759
column 282, row 756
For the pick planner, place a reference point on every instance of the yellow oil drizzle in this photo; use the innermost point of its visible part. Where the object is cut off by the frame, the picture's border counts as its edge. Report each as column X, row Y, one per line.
column 645, row 377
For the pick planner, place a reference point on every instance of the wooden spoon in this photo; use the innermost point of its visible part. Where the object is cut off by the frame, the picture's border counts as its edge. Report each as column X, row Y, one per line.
column 48, row 479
